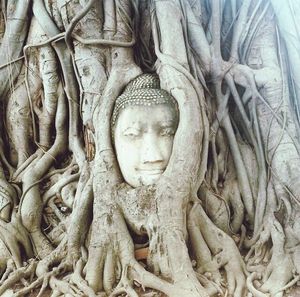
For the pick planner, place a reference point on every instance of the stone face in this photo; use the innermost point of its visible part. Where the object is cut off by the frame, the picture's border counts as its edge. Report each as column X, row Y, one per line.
column 143, row 139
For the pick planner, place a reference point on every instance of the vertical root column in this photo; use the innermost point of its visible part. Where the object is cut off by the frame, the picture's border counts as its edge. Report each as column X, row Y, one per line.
column 170, row 259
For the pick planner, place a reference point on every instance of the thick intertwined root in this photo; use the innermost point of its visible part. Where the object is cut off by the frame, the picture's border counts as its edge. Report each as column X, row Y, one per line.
column 214, row 249
column 19, row 274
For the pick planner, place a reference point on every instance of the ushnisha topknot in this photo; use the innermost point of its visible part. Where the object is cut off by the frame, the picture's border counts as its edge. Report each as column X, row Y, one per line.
column 143, row 90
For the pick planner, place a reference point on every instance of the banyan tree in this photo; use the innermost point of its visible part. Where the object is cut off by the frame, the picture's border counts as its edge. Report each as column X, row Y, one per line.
column 149, row 147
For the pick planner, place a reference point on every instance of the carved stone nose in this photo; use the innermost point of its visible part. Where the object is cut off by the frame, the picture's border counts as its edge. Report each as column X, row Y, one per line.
column 151, row 152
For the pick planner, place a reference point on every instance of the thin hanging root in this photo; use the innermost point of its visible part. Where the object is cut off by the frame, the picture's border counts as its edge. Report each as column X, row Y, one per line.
column 251, row 288
column 260, row 254
column 124, row 286
column 241, row 71
column 43, row 288
column 44, row 280
column 10, row 267
column 64, row 56
column 55, row 257
column 77, row 280
column 75, row 20
column 248, row 243
column 243, row 237
column 17, row 275
column 255, row 268
column 211, row 287
column 57, row 187
column 4, row 160
column 288, row 285
column 26, row 164
column 249, row 254
column 49, row 275
column 64, row 287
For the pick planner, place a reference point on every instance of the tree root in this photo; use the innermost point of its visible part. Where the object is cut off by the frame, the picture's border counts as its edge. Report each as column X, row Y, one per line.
column 75, row 20
column 210, row 285
column 17, row 275
column 13, row 235
column 42, row 280
column 20, row 170
column 288, row 285
column 222, row 248
column 10, row 267
column 258, row 241
column 279, row 270
column 251, row 288
column 111, row 253
column 124, row 286
column 78, row 281
column 149, row 280
column 64, row 287
column 53, row 258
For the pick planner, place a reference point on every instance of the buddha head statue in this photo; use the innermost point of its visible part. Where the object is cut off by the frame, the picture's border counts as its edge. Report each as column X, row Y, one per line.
column 144, row 122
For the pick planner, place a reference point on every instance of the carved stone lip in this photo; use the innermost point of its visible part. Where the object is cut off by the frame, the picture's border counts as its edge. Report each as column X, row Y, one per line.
column 152, row 171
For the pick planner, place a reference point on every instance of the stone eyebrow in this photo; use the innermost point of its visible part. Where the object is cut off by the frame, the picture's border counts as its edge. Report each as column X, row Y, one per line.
column 130, row 128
